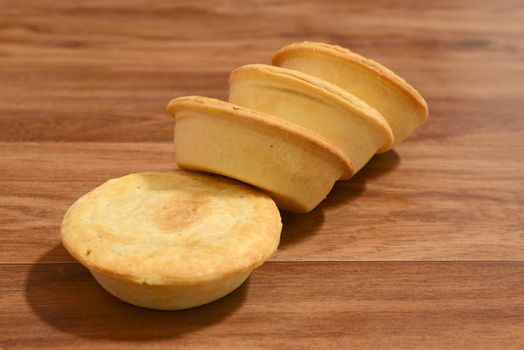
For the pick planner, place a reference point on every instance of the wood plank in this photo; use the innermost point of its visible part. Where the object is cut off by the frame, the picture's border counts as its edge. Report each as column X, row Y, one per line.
column 104, row 71
column 421, row 202
column 157, row 34
column 77, row 104
column 295, row 305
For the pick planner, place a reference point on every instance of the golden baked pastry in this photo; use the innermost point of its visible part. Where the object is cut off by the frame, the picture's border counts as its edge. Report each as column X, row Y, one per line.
column 295, row 166
column 171, row 240
column 401, row 105
column 341, row 118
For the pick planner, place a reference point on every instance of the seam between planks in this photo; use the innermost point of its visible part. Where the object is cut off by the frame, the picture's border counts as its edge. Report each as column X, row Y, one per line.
column 323, row 261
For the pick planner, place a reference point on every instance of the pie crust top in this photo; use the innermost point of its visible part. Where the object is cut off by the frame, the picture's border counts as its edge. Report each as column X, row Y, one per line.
column 160, row 228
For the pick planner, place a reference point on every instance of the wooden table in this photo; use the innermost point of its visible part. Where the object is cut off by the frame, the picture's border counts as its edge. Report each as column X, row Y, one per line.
column 424, row 248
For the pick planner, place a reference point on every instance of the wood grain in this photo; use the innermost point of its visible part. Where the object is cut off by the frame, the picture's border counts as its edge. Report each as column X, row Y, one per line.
column 423, row 249
column 294, row 305
column 417, row 203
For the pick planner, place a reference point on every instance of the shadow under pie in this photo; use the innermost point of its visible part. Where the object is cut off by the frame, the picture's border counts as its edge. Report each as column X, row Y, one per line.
column 68, row 298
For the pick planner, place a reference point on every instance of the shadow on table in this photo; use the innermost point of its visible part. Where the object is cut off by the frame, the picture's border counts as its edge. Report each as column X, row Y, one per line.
column 67, row 297
column 297, row 227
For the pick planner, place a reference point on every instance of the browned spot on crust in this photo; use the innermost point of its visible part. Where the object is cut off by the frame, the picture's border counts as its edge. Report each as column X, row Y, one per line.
column 178, row 212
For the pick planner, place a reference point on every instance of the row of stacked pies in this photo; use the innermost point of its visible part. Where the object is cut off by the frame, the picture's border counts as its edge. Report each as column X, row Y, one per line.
column 316, row 116
column 175, row 240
